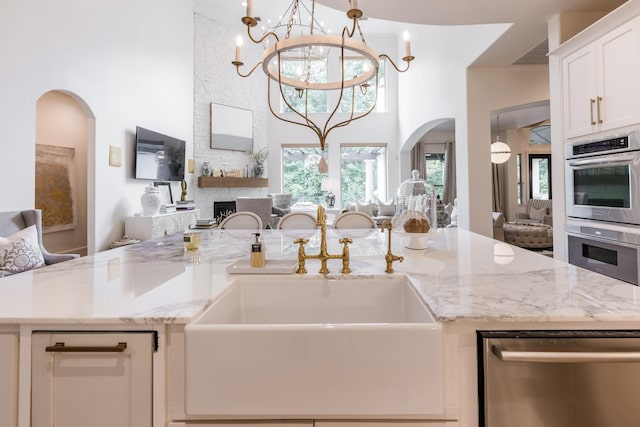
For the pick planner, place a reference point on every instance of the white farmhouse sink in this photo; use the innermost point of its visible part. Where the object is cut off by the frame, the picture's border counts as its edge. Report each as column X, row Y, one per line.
column 314, row 348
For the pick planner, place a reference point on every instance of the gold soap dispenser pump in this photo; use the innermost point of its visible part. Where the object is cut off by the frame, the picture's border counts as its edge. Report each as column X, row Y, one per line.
column 257, row 252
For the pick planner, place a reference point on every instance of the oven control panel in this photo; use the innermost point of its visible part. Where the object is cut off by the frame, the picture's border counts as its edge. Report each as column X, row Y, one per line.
column 598, row 146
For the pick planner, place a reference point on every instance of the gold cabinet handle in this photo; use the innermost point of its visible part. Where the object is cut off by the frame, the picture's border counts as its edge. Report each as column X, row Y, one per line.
column 61, row 348
column 592, row 101
column 599, row 102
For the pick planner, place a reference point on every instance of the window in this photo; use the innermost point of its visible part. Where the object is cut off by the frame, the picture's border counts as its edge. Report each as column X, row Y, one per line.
column 363, row 172
column 362, row 102
column 300, row 175
column 435, row 171
column 317, row 73
column 540, row 176
column 520, row 183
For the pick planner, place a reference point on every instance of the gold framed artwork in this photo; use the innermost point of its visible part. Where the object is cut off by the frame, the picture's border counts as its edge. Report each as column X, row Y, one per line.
column 55, row 187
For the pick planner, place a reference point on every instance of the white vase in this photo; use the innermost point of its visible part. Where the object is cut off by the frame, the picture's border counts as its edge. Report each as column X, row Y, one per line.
column 150, row 201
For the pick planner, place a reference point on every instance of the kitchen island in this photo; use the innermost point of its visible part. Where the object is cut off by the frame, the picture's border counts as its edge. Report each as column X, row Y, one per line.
column 468, row 281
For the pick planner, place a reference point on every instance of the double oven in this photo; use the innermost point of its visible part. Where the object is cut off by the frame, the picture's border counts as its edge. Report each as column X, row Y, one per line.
column 603, row 188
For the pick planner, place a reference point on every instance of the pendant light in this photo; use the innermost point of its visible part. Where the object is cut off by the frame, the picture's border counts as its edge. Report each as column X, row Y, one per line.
column 500, row 152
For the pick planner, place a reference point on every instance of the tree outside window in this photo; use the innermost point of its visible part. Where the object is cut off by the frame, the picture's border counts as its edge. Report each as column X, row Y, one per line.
column 435, row 172
column 540, row 176
column 300, row 175
column 315, row 100
column 362, row 103
column 363, row 173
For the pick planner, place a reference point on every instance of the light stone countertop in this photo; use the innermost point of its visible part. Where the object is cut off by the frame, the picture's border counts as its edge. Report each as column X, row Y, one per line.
column 463, row 277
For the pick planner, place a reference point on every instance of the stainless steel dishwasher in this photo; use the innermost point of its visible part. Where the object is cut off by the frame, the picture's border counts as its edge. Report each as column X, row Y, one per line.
column 559, row 378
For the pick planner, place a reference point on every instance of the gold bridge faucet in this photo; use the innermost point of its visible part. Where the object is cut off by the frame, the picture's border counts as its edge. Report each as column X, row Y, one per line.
column 324, row 255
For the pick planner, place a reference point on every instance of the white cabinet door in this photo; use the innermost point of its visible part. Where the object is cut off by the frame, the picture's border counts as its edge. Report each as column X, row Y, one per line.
column 619, row 90
column 8, row 380
column 601, row 84
column 580, row 92
column 91, row 379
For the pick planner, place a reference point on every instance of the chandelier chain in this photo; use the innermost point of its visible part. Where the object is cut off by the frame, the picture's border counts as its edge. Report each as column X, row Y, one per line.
column 292, row 18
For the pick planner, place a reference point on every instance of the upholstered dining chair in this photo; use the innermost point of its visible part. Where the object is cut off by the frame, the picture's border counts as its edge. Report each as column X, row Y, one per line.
column 260, row 206
column 297, row 221
column 354, row 220
column 241, row 221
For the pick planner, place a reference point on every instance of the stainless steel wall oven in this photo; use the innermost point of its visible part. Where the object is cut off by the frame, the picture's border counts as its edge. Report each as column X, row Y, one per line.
column 603, row 179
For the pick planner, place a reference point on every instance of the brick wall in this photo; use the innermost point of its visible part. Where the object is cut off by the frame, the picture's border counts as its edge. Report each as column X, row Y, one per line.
column 216, row 80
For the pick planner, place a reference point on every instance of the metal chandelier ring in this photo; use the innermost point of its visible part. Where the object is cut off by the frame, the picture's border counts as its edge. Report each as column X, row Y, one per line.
column 297, row 43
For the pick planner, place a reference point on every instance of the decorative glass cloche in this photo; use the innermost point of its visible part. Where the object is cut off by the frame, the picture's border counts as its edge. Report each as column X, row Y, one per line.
column 415, row 206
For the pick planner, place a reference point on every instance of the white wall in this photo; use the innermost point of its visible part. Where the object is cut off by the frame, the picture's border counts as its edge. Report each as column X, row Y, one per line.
column 436, row 89
column 131, row 61
column 493, row 89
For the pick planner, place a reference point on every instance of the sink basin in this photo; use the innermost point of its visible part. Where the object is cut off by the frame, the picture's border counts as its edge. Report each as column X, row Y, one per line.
column 314, row 348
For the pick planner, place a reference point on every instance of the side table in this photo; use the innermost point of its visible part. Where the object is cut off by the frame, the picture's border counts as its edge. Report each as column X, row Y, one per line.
column 153, row 227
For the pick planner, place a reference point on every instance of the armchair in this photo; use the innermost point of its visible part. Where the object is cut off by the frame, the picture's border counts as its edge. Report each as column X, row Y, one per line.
column 13, row 222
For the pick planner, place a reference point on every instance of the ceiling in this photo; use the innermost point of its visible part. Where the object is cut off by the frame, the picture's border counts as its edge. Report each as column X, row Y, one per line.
column 529, row 18
column 526, row 36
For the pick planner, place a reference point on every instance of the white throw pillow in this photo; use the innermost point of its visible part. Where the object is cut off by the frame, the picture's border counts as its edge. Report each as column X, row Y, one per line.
column 537, row 214
column 364, row 208
column 386, row 209
column 20, row 251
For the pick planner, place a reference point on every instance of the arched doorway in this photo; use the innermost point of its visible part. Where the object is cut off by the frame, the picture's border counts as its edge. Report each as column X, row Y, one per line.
column 433, row 155
column 64, row 132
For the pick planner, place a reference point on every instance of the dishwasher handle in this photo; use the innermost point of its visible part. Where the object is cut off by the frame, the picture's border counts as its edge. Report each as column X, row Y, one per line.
column 506, row 355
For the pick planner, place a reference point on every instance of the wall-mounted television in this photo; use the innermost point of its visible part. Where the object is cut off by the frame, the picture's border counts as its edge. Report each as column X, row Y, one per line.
column 159, row 157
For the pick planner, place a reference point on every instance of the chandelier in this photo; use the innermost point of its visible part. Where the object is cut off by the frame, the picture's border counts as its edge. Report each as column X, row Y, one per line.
column 306, row 42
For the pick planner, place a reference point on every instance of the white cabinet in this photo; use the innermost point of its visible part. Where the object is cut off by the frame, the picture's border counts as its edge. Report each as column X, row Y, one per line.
column 8, row 379
column 601, row 86
column 91, row 378
column 154, row 227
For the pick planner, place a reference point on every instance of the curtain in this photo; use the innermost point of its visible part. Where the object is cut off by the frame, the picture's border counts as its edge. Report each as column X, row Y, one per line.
column 498, row 187
column 418, row 162
column 449, row 192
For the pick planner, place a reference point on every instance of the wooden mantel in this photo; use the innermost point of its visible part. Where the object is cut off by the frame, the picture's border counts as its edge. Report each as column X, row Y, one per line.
column 216, row 181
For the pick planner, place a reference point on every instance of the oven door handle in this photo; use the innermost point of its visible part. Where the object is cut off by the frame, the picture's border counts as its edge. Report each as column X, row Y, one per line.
column 603, row 160
column 506, row 355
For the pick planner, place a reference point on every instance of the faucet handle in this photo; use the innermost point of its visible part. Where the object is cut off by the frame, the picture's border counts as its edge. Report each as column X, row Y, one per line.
column 301, row 255
column 345, row 255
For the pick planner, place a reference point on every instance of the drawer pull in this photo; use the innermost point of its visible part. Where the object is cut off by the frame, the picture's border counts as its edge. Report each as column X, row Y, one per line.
column 592, row 101
column 61, row 348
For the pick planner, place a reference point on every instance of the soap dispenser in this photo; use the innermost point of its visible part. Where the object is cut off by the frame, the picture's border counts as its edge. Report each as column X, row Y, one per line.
column 257, row 252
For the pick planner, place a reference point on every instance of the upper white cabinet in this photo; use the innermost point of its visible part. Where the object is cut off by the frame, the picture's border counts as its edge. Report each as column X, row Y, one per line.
column 91, row 379
column 8, row 379
column 601, row 84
